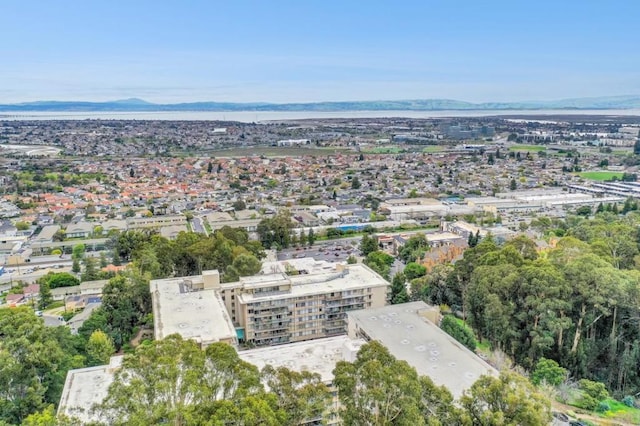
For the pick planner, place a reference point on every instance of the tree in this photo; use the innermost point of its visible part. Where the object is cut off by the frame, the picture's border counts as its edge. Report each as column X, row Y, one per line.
column 355, row 183
column 78, row 251
column 103, row 260
column 459, row 332
column 125, row 304
column 276, row 230
column 75, row 266
column 548, row 371
column 45, row 296
column 377, row 389
column 399, row 289
column 414, row 270
column 173, row 380
column 246, row 265
column 22, row 226
column 592, row 393
column 506, row 400
column 209, row 167
column 59, row 279
column 380, row 262
column 90, row 269
column 583, row 211
column 414, row 248
column 368, row 244
column 239, row 205
column 34, row 361
column 513, row 185
column 302, row 395
column 99, row 348
column 311, row 237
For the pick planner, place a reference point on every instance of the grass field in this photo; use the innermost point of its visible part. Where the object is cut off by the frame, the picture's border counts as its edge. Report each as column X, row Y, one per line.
column 383, row 150
column 432, row 148
column 600, row 176
column 622, row 412
column 527, row 148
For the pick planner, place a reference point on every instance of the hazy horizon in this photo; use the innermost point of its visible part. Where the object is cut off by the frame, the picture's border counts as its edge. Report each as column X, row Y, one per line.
column 299, row 52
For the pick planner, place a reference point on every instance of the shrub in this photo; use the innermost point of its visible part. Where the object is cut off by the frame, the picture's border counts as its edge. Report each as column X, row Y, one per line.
column 603, row 407
column 629, row 401
column 548, row 370
column 459, row 332
column 592, row 393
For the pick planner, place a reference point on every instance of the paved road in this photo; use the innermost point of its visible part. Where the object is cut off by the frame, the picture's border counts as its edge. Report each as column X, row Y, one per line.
column 29, row 277
column 53, row 320
column 198, row 226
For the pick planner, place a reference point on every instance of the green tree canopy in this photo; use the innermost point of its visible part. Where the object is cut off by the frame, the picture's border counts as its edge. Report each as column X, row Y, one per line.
column 34, row 361
column 377, row 389
column 508, row 400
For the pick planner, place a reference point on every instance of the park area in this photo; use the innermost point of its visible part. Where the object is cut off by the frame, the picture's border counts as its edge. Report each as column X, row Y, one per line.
column 601, row 175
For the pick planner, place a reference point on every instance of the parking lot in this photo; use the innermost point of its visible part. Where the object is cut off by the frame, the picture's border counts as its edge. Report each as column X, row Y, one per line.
column 330, row 251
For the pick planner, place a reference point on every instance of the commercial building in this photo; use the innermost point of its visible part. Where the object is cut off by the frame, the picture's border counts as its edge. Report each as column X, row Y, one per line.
column 289, row 301
column 411, row 334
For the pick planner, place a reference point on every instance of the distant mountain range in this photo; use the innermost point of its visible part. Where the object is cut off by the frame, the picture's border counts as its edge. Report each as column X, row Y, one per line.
column 135, row 105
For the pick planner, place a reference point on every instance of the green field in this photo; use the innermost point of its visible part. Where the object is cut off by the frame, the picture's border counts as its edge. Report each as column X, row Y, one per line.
column 432, row 149
column 600, row 176
column 383, row 150
column 527, row 148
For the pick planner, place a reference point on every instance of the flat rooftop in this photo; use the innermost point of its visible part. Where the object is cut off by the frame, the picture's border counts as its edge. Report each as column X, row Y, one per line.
column 412, row 338
column 321, row 277
column 85, row 387
column 317, row 356
column 199, row 315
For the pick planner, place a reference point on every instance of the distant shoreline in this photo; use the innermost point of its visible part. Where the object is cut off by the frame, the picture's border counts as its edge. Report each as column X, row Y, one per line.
column 265, row 116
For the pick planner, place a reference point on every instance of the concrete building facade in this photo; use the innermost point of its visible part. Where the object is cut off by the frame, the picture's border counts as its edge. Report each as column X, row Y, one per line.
column 289, row 301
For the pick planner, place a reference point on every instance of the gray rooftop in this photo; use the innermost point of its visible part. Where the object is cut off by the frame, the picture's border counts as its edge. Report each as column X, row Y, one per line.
column 412, row 338
column 85, row 387
column 198, row 315
column 317, row 356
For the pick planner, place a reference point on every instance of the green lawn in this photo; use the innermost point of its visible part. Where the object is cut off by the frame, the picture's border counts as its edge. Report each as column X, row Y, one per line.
column 383, row 150
column 529, row 148
column 432, row 148
column 622, row 412
column 600, row 176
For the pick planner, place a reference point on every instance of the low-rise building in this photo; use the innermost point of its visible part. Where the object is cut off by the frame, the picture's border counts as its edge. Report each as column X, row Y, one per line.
column 79, row 230
column 411, row 333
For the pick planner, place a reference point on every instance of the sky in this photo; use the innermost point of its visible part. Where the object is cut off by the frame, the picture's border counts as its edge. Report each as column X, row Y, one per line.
column 307, row 50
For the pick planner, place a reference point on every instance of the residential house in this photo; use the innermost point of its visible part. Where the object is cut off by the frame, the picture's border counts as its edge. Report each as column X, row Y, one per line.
column 79, row 230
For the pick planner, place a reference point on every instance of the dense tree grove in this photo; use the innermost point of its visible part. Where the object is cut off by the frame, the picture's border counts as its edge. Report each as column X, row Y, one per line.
column 227, row 250
column 174, row 381
column 378, row 389
column 276, row 231
column 126, row 304
column 34, row 361
column 577, row 303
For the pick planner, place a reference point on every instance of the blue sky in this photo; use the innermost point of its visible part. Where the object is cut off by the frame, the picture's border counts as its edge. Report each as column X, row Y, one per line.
column 307, row 50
